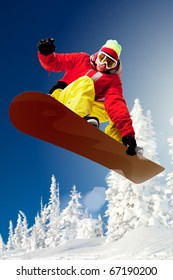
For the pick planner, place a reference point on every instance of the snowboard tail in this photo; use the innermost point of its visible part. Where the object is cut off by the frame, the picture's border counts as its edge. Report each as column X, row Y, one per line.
column 41, row 116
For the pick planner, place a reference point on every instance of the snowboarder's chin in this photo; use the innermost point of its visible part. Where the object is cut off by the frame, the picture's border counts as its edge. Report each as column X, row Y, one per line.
column 101, row 67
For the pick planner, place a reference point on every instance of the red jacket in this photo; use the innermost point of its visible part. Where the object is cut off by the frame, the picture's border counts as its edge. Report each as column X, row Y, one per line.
column 108, row 87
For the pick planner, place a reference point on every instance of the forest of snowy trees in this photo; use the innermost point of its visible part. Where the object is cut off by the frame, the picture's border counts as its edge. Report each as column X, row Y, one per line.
column 51, row 226
column 128, row 205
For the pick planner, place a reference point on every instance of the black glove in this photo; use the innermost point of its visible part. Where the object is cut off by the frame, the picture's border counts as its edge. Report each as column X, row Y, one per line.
column 59, row 84
column 46, row 46
column 131, row 143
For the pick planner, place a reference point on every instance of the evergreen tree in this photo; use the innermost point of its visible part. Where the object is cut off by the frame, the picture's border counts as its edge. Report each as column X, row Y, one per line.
column 169, row 183
column 40, row 228
column 144, row 132
column 33, row 240
column 53, row 233
column 90, row 228
column 139, row 124
column 99, row 227
column 10, row 242
column 45, row 217
column 169, row 177
column 25, row 233
column 131, row 205
column 2, row 245
column 153, row 192
column 120, row 207
column 20, row 237
column 38, row 234
column 71, row 216
column 18, row 233
column 151, row 148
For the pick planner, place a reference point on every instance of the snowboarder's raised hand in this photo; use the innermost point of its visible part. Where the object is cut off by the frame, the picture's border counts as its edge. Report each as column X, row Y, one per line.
column 131, row 143
column 46, row 46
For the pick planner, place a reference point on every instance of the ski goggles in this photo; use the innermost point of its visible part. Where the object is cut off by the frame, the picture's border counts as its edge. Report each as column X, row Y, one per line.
column 104, row 58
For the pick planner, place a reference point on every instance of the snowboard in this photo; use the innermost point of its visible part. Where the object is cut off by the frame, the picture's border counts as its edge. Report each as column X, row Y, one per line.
column 40, row 115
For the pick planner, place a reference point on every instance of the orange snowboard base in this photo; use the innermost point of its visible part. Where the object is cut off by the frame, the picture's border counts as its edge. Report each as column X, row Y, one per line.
column 41, row 116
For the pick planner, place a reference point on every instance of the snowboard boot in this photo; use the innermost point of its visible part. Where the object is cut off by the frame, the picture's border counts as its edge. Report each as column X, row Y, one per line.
column 92, row 120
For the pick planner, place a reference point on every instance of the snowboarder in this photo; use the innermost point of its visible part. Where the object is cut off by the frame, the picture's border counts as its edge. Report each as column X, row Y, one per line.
column 91, row 87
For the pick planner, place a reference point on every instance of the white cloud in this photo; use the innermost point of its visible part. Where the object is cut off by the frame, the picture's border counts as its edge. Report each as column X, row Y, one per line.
column 95, row 199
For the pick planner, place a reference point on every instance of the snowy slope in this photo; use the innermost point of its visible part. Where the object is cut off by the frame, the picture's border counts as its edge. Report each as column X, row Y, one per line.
column 150, row 243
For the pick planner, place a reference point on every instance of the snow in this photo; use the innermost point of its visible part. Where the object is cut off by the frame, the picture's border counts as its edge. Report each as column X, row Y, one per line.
column 143, row 243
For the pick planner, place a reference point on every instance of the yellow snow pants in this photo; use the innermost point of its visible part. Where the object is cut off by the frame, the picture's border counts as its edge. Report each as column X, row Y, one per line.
column 79, row 96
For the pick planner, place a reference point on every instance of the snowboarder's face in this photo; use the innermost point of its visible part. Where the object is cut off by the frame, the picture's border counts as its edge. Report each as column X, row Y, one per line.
column 105, row 62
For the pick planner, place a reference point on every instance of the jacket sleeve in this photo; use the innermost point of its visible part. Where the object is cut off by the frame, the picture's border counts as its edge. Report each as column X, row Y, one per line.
column 117, row 110
column 56, row 62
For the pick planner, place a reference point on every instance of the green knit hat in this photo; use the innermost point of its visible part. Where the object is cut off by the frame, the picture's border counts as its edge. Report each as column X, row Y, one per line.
column 112, row 48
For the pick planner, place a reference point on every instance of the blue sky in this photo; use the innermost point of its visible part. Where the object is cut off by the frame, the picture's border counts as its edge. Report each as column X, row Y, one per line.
column 143, row 28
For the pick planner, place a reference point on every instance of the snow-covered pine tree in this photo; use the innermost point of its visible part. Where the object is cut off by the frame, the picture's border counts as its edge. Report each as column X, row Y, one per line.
column 139, row 123
column 169, row 182
column 45, row 215
column 33, row 239
column 2, row 244
column 20, row 236
column 71, row 216
column 131, row 205
column 127, row 208
column 153, row 191
column 53, row 232
column 25, row 235
column 40, row 228
column 10, row 242
column 90, row 228
column 144, row 131
column 38, row 234
column 120, row 209
column 85, row 229
column 150, row 150
column 99, row 227
column 169, row 177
